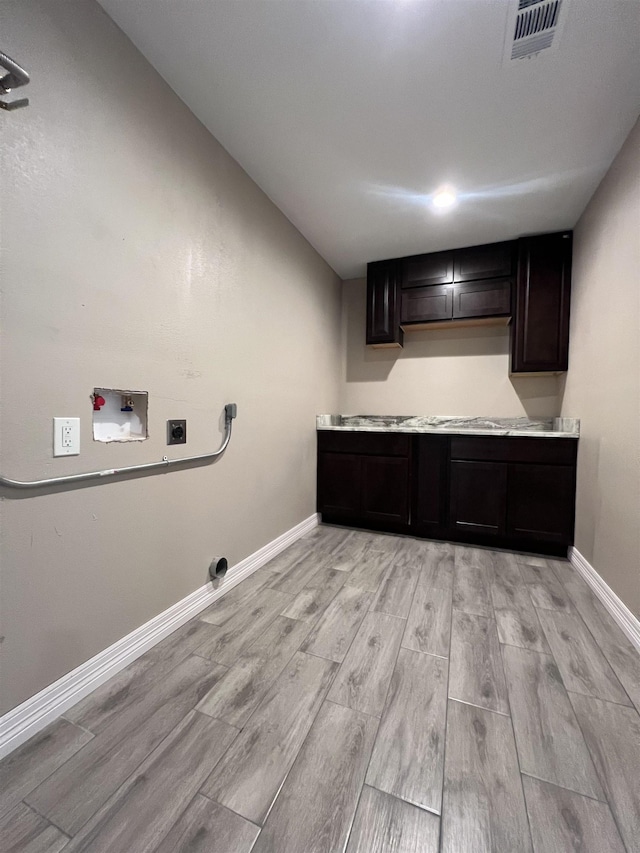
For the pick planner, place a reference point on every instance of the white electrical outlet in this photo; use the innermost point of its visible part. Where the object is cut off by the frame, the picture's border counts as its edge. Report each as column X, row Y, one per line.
column 66, row 436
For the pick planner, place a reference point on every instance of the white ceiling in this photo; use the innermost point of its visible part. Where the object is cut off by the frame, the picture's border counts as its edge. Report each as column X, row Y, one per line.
column 349, row 113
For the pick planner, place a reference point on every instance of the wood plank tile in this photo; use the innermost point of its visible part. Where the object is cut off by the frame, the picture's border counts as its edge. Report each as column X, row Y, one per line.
column 227, row 642
column 300, row 573
column 142, row 812
column 439, row 566
column 249, row 776
column 387, row 542
column 616, row 647
column 315, row 808
column 385, row 824
column 207, row 827
column 546, row 591
column 429, row 621
column 241, row 689
column 408, row 755
column 612, row 733
column 282, row 562
column 333, row 634
column 476, row 673
column 510, row 592
column 363, row 679
column 395, row 593
column 71, row 795
column 561, row 820
column 521, row 628
column 483, row 809
column 124, row 690
column 349, row 551
column 28, row 765
column 24, row 831
column 531, row 560
column 582, row 665
column 313, row 600
column 465, row 555
column 239, row 596
column 369, row 571
column 549, row 741
column 471, row 588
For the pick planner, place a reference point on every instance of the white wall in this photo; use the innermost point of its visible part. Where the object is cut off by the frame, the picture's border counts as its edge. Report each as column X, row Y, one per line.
column 137, row 254
column 603, row 382
column 438, row 372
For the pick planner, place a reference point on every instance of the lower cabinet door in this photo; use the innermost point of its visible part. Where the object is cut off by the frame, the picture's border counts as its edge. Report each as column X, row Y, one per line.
column 339, row 484
column 430, row 485
column 541, row 502
column 478, row 497
column 385, row 489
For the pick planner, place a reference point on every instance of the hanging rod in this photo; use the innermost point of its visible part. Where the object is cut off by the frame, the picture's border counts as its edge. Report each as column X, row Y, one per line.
column 230, row 411
column 16, row 76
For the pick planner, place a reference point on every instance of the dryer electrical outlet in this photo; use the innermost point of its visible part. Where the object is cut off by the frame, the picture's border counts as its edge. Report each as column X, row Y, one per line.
column 66, row 436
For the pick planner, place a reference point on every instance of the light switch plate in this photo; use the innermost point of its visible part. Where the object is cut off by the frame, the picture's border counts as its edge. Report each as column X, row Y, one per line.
column 66, row 436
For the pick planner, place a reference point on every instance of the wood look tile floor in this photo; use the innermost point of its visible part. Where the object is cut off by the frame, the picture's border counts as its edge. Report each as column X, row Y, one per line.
column 361, row 693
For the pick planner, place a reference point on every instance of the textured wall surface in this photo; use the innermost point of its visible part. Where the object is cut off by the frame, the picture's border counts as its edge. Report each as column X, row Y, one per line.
column 439, row 372
column 137, row 254
column 603, row 382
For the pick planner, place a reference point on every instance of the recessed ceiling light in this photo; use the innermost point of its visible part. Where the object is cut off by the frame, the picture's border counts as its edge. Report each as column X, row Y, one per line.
column 444, row 198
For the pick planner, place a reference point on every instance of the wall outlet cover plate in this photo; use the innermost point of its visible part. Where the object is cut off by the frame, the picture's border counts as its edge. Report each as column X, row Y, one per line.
column 176, row 432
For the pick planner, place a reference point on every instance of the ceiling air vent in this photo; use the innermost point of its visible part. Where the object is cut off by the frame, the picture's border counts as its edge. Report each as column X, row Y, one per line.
column 533, row 26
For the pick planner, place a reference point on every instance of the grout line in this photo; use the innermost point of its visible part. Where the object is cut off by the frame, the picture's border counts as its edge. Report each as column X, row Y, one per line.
column 44, row 817
column 77, row 725
column 446, row 715
column 415, row 805
column 479, row 707
column 222, row 806
column 564, row 788
column 600, row 699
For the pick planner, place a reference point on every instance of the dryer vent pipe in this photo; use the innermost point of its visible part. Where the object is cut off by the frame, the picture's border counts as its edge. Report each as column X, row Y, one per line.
column 218, row 568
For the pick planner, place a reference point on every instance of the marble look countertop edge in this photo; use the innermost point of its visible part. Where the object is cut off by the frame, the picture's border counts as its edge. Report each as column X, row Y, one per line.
column 530, row 433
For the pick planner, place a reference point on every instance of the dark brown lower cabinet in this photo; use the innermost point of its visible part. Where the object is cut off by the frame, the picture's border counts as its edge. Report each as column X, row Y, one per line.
column 541, row 502
column 339, row 484
column 504, row 492
column 478, row 497
column 385, row 489
column 365, row 479
column 430, row 485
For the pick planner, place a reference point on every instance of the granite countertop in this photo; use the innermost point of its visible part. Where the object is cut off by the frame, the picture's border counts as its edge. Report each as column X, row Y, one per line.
column 535, row 428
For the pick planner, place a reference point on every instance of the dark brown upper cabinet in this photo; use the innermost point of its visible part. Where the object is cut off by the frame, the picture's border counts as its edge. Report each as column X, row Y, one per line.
column 427, row 270
column 540, row 329
column 383, row 304
column 446, row 304
column 427, row 304
column 482, row 299
column 495, row 260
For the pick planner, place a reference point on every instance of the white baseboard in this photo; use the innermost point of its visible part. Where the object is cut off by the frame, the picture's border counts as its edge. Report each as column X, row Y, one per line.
column 21, row 723
column 616, row 607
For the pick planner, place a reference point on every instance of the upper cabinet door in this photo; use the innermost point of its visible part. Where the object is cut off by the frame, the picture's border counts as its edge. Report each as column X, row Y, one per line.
column 383, row 304
column 482, row 299
column 540, row 331
column 423, row 270
column 495, row 260
column 427, row 304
